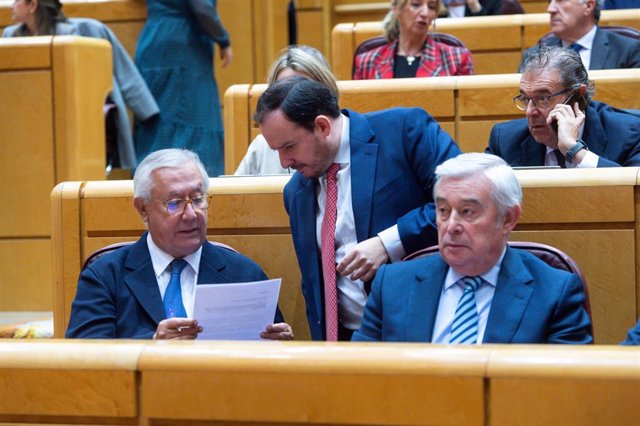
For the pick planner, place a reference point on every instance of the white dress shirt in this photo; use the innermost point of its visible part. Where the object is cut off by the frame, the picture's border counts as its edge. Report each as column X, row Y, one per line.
column 587, row 46
column 452, row 292
column 351, row 294
column 188, row 277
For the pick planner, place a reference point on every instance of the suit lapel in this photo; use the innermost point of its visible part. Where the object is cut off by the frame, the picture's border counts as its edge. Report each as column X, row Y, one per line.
column 364, row 156
column 532, row 153
column 599, row 50
column 510, row 299
column 307, row 249
column 141, row 280
column 424, row 298
column 212, row 268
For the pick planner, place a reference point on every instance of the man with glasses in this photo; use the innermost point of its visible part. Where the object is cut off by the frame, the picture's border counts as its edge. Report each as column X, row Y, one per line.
column 147, row 289
column 563, row 126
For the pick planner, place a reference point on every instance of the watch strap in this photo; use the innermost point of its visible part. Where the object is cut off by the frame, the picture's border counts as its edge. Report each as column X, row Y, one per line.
column 579, row 145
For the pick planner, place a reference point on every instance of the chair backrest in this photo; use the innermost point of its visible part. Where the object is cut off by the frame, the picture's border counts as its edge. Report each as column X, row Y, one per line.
column 551, row 255
column 511, row 7
column 108, row 249
column 372, row 43
column 623, row 31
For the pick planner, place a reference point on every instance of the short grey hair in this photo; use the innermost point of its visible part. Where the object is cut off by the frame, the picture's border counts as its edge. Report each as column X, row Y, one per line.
column 505, row 188
column 173, row 157
column 567, row 62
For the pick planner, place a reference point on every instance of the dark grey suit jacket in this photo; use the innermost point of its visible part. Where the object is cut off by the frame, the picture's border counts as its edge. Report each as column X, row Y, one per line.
column 609, row 51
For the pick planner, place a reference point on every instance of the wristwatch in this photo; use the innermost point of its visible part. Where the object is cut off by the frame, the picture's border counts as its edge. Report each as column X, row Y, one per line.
column 580, row 145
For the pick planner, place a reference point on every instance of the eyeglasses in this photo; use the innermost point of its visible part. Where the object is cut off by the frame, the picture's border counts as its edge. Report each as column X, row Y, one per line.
column 540, row 102
column 178, row 205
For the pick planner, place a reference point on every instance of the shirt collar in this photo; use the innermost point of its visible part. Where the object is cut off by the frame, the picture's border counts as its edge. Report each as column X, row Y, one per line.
column 161, row 259
column 344, row 153
column 586, row 41
column 491, row 276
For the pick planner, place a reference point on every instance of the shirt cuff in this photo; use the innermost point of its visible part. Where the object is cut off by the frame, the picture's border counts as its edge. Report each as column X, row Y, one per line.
column 590, row 161
column 391, row 241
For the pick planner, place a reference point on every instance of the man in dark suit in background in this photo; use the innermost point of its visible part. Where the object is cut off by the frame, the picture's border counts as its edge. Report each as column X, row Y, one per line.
column 563, row 126
column 574, row 24
column 476, row 289
column 128, row 293
column 380, row 167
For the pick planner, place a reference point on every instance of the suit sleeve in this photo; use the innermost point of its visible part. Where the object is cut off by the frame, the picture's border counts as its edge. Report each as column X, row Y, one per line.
column 208, row 18
column 93, row 313
column 426, row 146
column 633, row 336
column 494, row 145
column 371, row 328
column 570, row 323
column 630, row 140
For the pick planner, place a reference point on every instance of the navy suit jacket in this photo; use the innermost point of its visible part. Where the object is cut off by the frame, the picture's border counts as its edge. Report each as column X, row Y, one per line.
column 612, row 134
column 609, row 51
column 118, row 295
column 633, row 336
column 533, row 303
column 393, row 157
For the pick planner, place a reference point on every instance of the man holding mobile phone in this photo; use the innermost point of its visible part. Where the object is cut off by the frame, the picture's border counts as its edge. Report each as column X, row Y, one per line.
column 563, row 126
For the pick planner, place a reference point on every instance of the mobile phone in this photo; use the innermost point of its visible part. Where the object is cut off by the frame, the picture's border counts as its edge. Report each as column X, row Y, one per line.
column 572, row 99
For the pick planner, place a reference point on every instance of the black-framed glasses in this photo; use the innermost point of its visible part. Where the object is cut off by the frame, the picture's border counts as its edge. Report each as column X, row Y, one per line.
column 540, row 101
column 178, row 205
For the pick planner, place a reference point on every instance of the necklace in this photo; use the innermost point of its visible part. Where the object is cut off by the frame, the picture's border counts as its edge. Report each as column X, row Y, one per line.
column 410, row 59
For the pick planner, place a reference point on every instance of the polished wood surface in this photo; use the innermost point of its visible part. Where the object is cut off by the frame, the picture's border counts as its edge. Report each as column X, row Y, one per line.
column 52, row 128
column 496, row 42
column 298, row 383
column 467, row 107
column 591, row 214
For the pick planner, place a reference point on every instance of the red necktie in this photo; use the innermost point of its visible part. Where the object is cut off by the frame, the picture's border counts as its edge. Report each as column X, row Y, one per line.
column 328, row 247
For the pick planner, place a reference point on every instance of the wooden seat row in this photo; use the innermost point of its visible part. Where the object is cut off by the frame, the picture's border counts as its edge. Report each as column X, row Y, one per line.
column 496, row 42
column 258, row 383
column 592, row 215
column 466, row 107
column 51, row 130
column 258, row 31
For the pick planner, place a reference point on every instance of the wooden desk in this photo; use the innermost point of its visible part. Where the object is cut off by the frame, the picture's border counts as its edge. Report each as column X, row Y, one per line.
column 52, row 130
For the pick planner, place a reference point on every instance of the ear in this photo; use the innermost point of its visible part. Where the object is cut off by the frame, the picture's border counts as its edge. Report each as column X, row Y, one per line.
column 33, row 6
column 510, row 219
column 323, row 123
column 590, row 6
column 141, row 207
column 583, row 90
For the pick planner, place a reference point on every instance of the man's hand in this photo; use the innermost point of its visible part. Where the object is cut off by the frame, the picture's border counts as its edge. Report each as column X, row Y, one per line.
column 177, row 328
column 278, row 331
column 364, row 260
column 569, row 119
column 226, row 55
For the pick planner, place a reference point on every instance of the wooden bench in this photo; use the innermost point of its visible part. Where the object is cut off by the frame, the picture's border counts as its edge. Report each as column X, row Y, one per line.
column 496, row 42
column 592, row 215
column 258, row 30
column 301, row 383
column 466, row 107
column 52, row 128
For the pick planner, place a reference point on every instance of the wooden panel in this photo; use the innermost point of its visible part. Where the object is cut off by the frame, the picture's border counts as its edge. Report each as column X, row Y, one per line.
column 26, row 130
column 26, row 283
column 236, row 138
column 496, row 62
column 15, row 57
column 473, row 136
column 310, row 31
column 558, row 386
column 611, row 279
column 447, row 388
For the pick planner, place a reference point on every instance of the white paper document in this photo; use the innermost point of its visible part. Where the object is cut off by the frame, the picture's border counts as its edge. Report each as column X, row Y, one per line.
column 239, row 311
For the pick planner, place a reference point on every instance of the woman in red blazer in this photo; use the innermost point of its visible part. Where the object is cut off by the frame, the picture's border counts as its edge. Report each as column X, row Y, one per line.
column 410, row 51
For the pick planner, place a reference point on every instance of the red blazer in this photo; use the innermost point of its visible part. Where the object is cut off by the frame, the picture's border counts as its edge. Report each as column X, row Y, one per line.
column 437, row 59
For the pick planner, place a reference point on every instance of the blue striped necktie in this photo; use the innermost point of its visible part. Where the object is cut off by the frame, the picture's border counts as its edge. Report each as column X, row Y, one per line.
column 173, row 306
column 464, row 328
column 576, row 47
